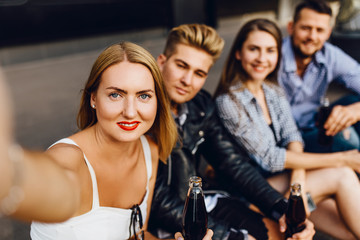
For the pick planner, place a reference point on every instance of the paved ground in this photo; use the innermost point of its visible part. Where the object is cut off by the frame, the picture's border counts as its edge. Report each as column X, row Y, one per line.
column 46, row 92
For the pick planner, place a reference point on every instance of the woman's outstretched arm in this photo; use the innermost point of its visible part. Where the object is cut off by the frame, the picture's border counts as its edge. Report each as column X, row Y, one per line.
column 32, row 185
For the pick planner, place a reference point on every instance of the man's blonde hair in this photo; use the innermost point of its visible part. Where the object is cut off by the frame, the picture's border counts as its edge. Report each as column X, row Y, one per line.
column 195, row 35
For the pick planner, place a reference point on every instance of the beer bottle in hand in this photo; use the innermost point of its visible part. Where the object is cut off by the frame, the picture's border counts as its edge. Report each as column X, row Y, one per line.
column 323, row 114
column 194, row 218
column 295, row 214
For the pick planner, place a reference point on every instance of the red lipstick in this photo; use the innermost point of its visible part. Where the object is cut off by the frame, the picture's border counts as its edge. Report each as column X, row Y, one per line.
column 128, row 126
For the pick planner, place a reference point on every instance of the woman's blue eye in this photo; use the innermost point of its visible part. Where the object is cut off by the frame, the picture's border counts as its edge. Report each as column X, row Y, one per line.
column 114, row 95
column 145, row 96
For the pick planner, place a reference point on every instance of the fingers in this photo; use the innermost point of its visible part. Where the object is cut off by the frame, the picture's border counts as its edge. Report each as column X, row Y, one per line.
column 306, row 234
column 251, row 237
column 340, row 118
column 282, row 224
column 353, row 159
column 209, row 234
column 178, row 236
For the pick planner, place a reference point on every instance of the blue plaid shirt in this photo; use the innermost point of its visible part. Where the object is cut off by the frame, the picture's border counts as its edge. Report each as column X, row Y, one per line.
column 246, row 122
column 304, row 94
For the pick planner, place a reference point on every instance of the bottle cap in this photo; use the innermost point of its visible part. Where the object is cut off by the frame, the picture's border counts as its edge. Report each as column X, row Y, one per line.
column 296, row 188
column 195, row 181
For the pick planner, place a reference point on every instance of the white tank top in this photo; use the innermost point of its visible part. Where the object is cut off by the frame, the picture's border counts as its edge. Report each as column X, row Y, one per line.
column 105, row 223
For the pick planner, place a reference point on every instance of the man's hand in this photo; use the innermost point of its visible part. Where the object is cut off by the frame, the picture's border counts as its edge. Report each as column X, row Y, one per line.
column 342, row 117
column 306, row 234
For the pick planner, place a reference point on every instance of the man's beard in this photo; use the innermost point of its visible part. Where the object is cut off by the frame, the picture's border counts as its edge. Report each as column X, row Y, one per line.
column 298, row 51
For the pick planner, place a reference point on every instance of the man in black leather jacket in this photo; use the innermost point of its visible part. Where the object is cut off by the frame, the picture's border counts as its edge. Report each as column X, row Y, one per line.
column 189, row 54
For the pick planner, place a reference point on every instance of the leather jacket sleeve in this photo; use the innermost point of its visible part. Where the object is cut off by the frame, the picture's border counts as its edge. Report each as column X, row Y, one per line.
column 233, row 166
column 204, row 135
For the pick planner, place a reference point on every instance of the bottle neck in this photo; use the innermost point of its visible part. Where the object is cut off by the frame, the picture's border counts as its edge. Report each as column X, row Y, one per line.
column 296, row 189
column 195, row 189
column 325, row 102
column 195, row 182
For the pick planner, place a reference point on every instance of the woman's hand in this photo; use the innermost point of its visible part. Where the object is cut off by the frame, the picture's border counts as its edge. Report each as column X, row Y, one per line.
column 306, row 234
column 351, row 159
column 208, row 236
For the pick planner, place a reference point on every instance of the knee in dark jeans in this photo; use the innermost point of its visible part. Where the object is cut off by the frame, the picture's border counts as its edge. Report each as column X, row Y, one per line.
column 342, row 143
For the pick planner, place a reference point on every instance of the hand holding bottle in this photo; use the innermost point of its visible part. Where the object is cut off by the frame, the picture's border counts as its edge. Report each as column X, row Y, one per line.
column 306, row 234
column 294, row 222
column 194, row 219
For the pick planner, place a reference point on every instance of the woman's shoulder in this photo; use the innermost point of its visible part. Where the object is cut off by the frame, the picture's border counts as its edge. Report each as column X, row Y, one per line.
column 223, row 103
column 67, row 154
column 237, row 94
column 224, row 98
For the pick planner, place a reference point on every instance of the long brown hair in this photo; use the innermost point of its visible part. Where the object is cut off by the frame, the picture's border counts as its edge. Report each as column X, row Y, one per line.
column 233, row 70
column 164, row 129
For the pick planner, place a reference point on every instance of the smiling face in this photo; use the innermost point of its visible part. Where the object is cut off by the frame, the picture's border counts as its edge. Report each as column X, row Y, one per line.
column 125, row 101
column 309, row 32
column 184, row 72
column 258, row 55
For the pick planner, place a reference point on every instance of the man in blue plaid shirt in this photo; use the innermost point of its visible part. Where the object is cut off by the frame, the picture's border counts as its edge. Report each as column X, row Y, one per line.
column 308, row 66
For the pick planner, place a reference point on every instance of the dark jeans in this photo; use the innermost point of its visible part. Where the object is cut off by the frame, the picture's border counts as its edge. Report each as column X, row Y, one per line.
column 340, row 143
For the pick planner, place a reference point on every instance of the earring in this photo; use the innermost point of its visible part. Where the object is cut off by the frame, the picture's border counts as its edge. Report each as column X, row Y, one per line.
column 93, row 106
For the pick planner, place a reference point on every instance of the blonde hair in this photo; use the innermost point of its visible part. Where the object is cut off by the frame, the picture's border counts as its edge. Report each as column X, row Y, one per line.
column 164, row 130
column 195, row 35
